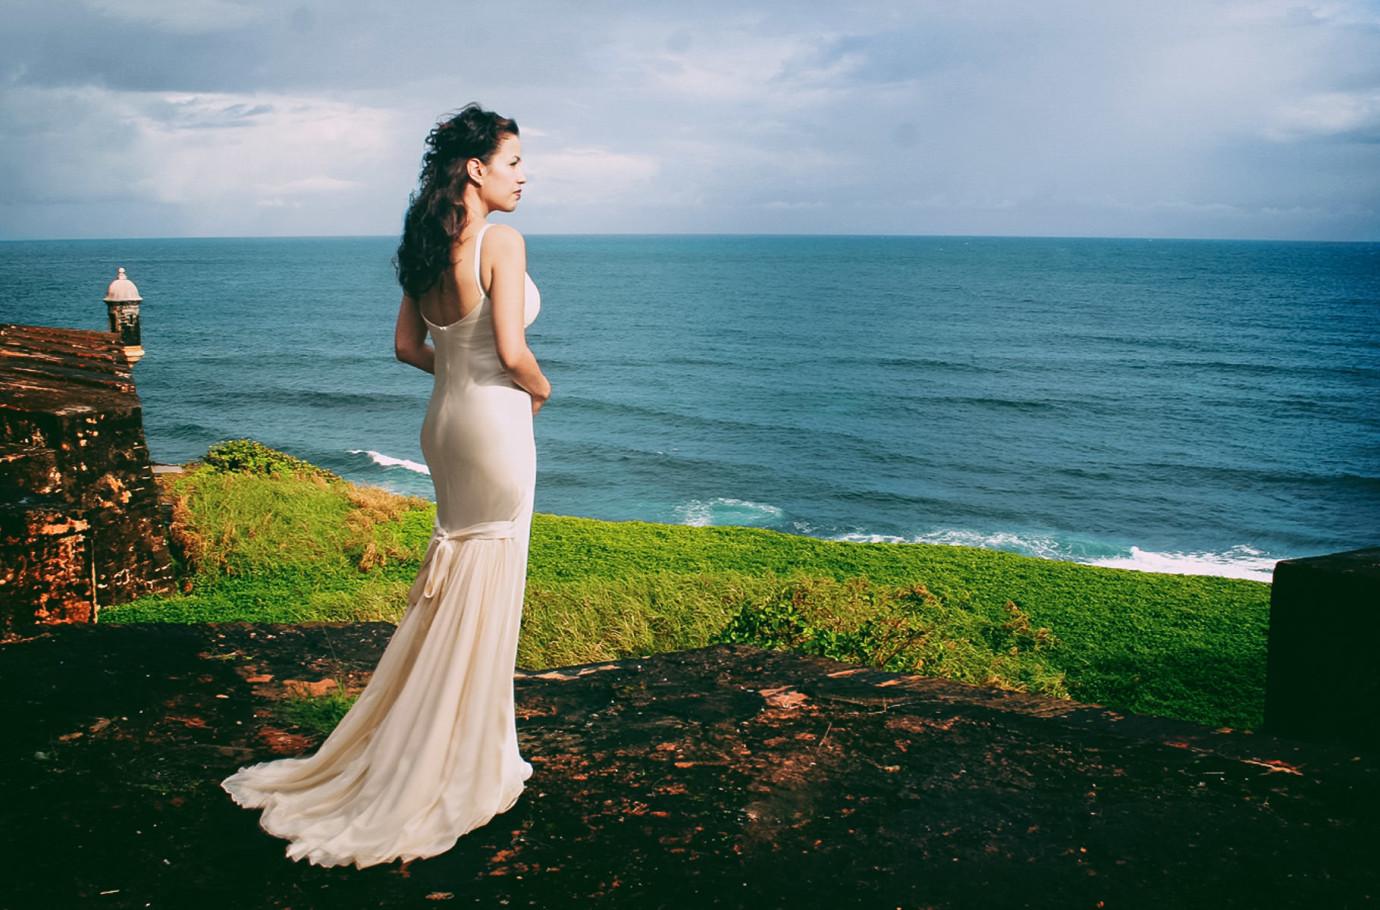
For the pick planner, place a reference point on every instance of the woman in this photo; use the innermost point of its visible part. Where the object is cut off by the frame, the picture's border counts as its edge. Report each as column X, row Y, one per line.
column 429, row 751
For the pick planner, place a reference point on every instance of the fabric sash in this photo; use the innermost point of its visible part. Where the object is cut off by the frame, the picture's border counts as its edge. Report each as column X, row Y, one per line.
column 441, row 552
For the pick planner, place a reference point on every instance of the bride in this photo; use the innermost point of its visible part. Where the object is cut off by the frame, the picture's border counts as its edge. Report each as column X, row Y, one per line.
column 430, row 751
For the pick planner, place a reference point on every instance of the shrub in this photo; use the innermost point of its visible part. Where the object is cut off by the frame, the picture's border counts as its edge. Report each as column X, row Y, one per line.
column 245, row 456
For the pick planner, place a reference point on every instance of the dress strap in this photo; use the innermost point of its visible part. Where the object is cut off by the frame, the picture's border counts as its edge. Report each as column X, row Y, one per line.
column 479, row 245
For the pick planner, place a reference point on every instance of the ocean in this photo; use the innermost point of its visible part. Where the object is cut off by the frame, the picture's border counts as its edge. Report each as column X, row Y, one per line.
column 1186, row 406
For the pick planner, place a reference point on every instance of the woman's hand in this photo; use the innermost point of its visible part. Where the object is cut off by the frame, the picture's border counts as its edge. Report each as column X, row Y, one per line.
column 537, row 402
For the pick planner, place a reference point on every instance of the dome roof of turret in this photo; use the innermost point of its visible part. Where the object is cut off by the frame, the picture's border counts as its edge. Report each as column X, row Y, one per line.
column 122, row 290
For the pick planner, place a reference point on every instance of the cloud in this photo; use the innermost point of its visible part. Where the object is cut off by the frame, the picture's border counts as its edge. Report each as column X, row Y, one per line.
column 1349, row 115
column 219, row 158
column 586, row 176
column 183, row 16
column 1235, row 117
column 309, row 186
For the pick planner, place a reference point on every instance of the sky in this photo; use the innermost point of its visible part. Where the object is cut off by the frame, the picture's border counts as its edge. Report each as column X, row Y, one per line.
column 1245, row 119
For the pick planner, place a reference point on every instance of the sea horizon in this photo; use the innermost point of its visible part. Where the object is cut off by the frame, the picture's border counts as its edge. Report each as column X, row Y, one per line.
column 600, row 234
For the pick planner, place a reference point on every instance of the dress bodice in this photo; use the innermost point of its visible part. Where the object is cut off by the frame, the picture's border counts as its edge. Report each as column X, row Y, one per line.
column 466, row 349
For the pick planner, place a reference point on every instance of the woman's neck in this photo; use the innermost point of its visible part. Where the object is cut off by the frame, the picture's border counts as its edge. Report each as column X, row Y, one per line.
column 475, row 209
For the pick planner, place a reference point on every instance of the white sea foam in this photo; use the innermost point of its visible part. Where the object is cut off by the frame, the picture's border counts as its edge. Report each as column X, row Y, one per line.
column 872, row 538
column 1238, row 562
column 388, row 461
column 1041, row 546
column 704, row 513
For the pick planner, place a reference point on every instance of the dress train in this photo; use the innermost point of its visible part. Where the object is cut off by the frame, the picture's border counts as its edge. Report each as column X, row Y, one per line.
column 429, row 751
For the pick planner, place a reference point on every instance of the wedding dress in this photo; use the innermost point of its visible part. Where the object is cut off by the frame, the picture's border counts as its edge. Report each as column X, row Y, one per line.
column 430, row 751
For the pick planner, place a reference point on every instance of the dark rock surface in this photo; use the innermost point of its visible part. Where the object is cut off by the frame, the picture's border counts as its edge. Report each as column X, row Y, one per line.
column 720, row 777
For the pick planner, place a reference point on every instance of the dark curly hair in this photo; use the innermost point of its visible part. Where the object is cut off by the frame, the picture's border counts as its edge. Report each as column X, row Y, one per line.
column 436, row 211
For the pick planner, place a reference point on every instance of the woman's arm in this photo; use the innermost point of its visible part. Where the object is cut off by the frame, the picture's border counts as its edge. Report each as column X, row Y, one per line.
column 409, row 338
column 506, row 254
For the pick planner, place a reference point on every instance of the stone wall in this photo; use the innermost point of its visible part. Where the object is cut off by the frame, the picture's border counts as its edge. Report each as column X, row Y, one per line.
column 1321, row 681
column 80, row 520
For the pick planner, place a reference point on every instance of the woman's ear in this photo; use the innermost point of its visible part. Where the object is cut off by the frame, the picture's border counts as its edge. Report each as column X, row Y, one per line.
column 475, row 168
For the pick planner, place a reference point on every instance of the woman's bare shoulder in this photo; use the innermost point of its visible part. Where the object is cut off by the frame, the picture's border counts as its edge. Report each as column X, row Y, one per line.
column 504, row 239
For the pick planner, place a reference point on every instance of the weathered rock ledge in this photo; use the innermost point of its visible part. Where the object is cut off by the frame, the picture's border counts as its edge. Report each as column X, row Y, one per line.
column 80, row 522
column 720, row 777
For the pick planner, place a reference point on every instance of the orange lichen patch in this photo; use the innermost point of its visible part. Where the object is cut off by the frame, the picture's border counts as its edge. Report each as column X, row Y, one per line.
column 281, row 742
column 56, row 529
column 784, row 697
column 303, row 689
column 196, row 723
column 912, row 724
column 264, row 683
column 1275, row 766
column 114, row 490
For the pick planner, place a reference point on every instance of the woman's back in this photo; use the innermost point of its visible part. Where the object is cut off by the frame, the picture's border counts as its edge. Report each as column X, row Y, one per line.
column 457, row 291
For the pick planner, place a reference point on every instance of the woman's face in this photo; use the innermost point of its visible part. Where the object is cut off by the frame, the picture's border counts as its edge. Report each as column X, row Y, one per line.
column 501, row 180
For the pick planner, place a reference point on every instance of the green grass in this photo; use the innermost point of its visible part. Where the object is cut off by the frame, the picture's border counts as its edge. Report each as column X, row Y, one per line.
column 318, row 713
column 903, row 630
column 1191, row 647
column 260, row 540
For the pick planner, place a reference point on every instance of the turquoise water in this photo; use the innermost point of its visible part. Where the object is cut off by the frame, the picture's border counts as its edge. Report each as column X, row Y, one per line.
column 1176, row 405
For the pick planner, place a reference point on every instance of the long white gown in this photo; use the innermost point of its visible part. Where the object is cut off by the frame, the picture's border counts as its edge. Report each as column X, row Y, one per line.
column 430, row 751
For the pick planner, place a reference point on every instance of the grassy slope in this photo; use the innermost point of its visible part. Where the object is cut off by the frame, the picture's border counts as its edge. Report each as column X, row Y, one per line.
column 1187, row 646
column 289, row 548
